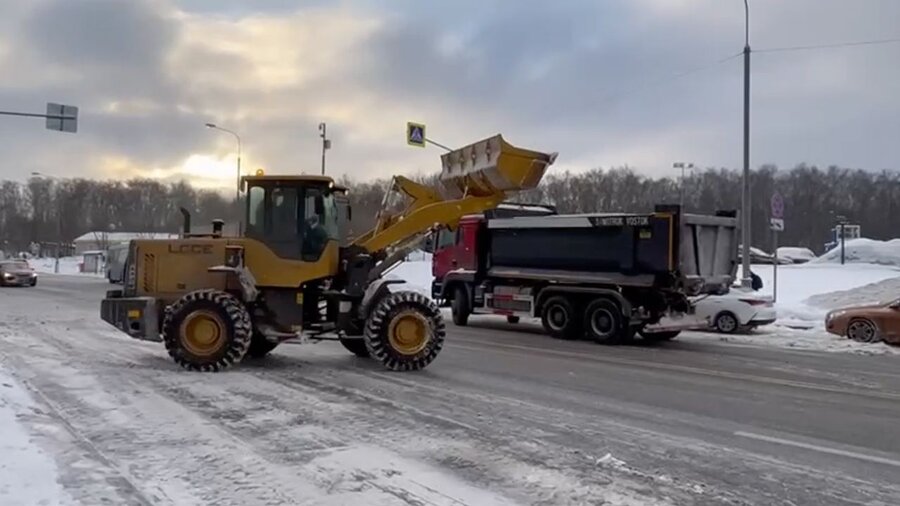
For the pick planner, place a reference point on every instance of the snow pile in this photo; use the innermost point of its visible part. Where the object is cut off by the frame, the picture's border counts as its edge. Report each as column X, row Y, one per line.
column 881, row 292
column 27, row 474
column 416, row 272
column 796, row 255
column 67, row 265
column 867, row 251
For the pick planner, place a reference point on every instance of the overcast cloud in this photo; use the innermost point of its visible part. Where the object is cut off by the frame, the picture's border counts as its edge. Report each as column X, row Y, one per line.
column 590, row 79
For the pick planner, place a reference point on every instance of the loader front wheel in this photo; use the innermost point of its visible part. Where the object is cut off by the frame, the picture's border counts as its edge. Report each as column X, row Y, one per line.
column 207, row 330
column 405, row 331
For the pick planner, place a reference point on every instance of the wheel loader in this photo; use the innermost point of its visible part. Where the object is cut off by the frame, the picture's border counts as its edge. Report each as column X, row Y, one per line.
column 213, row 299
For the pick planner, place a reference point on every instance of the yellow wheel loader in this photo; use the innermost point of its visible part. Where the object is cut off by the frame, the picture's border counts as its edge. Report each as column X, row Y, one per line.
column 214, row 299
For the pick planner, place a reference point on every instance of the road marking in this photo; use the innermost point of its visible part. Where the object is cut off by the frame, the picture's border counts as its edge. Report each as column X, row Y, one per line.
column 647, row 364
column 819, row 448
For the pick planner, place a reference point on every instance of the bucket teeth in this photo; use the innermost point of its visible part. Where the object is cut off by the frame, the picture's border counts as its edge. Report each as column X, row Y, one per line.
column 492, row 167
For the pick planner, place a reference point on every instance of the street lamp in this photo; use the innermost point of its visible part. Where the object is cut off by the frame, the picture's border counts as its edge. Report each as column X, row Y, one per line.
column 326, row 144
column 746, row 281
column 58, row 222
column 237, row 193
column 682, row 166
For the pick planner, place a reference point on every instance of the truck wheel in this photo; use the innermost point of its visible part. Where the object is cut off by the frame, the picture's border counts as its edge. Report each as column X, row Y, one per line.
column 605, row 324
column 460, row 307
column 405, row 331
column 656, row 337
column 260, row 346
column 207, row 330
column 356, row 346
column 559, row 318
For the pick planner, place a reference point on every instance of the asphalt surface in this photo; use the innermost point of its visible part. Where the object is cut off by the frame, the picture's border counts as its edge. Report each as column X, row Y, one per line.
column 536, row 420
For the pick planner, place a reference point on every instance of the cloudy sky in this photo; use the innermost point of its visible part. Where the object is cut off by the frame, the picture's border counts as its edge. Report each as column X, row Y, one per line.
column 595, row 80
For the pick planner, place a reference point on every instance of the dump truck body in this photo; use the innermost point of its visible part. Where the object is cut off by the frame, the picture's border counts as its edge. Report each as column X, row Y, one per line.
column 647, row 264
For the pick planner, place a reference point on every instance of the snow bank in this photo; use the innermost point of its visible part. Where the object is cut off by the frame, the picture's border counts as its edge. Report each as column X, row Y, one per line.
column 796, row 254
column 867, row 251
column 416, row 272
column 27, row 475
column 67, row 265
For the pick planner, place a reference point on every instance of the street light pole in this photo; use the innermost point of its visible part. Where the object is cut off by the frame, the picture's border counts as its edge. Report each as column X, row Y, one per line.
column 237, row 193
column 682, row 166
column 58, row 223
column 326, row 144
column 746, row 281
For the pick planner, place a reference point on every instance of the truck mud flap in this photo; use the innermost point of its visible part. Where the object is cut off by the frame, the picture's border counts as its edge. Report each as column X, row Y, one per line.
column 136, row 316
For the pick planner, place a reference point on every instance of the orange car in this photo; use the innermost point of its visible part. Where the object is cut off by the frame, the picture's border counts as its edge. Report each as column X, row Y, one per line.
column 867, row 324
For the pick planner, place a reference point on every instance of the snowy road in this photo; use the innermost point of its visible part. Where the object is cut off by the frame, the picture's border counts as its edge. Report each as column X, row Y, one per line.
column 501, row 417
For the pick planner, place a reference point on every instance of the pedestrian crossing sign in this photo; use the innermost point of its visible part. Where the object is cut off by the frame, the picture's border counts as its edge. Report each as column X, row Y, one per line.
column 415, row 134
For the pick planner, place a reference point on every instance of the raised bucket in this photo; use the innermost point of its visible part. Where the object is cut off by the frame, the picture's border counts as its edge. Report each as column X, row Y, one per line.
column 490, row 167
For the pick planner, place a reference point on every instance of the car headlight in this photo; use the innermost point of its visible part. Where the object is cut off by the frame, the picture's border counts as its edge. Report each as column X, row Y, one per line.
column 7, row 275
column 34, row 274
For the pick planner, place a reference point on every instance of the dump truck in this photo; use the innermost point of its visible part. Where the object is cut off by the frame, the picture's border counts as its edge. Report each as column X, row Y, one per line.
column 604, row 276
column 293, row 273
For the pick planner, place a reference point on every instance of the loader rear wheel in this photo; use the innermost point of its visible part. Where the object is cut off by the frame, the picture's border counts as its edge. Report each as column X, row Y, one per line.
column 405, row 331
column 207, row 330
column 356, row 346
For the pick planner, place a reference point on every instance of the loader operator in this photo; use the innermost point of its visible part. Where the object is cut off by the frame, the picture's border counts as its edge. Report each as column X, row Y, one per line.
column 314, row 238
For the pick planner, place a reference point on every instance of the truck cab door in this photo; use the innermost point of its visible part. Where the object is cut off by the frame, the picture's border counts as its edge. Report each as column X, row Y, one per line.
column 444, row 259
column 466, row 246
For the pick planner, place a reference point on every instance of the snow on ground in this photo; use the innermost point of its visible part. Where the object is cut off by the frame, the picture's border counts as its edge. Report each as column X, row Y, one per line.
column 867, row 251
column 28, row 476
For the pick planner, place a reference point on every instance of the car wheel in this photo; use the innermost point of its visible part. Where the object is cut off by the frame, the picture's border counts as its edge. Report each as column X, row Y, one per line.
column 863, row 331
column 726, row 323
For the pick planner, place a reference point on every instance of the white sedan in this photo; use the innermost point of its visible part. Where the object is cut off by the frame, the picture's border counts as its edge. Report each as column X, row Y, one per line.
column 738, row 309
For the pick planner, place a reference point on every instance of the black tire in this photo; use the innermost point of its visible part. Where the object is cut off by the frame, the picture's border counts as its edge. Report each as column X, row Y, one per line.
column 863, row 330
column 560, row 318
column 460, row 308
column 33, row 282
column 356, row 346
column 605, row 324
column 658, row 337
column 726, row 322
column 260, row 346
column 512, row 319
column 403, row 307
column 234, row 337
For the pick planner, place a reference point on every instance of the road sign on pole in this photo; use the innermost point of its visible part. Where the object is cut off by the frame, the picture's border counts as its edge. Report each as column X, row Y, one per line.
column 63, row 118
column 415, row 134
column 777, row 205
column 776, row 224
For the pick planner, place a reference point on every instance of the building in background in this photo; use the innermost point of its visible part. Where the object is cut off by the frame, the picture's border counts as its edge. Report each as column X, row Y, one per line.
column 101, row 241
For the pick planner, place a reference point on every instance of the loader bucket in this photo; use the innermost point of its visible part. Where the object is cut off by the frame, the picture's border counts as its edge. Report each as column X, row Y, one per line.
column 492, row 167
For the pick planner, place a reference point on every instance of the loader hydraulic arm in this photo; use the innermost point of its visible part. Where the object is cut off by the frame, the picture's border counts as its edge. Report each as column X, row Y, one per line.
column 473, row 179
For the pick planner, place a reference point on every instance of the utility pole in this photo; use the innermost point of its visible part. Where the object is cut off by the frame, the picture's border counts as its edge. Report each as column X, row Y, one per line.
column 745, row 189
column 237, row 192
column 58, row 221
column 326, row 144
column 682, row 166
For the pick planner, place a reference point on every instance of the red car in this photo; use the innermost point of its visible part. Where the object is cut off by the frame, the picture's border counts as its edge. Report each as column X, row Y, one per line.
column 17, row 273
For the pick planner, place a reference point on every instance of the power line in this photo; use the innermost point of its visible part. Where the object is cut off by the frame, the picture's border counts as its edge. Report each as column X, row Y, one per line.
column 828, row 46
column 666, row 79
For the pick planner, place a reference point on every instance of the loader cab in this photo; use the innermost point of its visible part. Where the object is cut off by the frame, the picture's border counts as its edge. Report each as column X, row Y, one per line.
column 295, row 216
